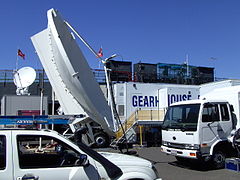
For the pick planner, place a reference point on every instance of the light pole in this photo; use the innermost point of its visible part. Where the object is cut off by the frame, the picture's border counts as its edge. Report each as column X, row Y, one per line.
column 214, row 66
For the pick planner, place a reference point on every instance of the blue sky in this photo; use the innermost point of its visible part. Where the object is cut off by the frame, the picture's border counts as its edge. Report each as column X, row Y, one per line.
column 150, row 31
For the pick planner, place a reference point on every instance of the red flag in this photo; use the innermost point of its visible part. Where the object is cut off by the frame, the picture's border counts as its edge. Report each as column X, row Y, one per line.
column 21, row 54
column 100, row 53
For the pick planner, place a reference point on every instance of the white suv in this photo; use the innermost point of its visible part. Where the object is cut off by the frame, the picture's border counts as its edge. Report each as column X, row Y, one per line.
column 46, row 155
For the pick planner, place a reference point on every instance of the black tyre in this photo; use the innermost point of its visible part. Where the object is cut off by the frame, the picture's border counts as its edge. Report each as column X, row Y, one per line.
column 218, row 159
column 101, row 140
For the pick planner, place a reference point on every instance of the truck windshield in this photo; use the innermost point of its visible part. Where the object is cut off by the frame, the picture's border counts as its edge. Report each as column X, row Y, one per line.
column 182, row 117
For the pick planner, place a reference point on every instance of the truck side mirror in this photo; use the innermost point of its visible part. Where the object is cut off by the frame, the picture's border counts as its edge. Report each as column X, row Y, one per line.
column 231, row 108
column 82, row 160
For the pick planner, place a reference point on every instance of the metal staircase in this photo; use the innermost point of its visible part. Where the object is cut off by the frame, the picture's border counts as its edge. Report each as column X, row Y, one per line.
column 130, row 125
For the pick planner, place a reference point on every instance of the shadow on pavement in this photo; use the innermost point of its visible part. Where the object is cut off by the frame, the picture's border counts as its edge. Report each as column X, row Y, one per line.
column 193, row 165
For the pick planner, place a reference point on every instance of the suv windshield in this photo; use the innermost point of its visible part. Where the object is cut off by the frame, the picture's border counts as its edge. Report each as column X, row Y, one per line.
column 182, row 117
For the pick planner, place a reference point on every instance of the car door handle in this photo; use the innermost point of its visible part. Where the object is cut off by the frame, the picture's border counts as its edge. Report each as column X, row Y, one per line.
column 28, row 177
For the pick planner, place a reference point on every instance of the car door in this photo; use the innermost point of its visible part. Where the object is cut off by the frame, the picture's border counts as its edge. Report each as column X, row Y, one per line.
column 46, row 157
column 225, row 124
column 210, row 123
column 5, row 156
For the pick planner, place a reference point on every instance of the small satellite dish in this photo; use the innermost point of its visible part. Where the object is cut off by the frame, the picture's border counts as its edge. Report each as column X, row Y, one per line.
column 23, row 78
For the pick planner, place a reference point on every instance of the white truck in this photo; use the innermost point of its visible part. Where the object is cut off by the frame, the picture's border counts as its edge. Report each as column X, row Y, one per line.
column 203, row 129
column 47, row 155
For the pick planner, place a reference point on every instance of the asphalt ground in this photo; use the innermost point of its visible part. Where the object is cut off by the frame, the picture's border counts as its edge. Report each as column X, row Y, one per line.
column 170, row 169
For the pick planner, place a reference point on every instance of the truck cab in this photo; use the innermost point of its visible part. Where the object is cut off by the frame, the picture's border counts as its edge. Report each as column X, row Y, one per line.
column 45, row 154
column 199, row 129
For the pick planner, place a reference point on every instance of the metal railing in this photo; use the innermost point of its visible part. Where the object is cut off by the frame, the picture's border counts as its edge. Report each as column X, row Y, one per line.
column 99, row 74
column 7, row 75
column 141, row 115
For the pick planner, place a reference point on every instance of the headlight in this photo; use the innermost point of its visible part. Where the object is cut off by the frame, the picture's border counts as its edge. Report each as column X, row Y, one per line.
column 181, row 146
column 192, row 146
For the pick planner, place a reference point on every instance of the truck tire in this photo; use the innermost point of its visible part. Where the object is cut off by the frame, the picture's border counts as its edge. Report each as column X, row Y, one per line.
column 218, row 159
column 101, row 140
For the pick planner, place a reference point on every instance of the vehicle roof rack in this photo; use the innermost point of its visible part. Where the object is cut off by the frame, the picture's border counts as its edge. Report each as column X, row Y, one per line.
column 36, row 120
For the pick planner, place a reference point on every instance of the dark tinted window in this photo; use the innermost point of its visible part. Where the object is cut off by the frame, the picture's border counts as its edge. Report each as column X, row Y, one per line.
column 210, row 113
column 184, row 117
column 45, row 152
column 224, row 112
column 2, row 152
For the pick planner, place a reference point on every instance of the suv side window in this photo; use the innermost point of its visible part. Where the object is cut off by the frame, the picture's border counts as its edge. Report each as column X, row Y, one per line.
column 224, row 112
column 44, row 152
column 210, row 113
column 2, row 152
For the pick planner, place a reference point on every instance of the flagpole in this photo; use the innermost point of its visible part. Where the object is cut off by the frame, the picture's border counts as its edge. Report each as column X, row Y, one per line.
column 100, row 54
column 17, row 62
column 187, row 65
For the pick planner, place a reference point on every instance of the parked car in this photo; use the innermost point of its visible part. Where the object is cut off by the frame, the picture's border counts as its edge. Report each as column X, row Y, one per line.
column 47, row 155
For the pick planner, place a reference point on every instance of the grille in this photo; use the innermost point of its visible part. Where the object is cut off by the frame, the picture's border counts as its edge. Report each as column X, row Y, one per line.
column 175, row 145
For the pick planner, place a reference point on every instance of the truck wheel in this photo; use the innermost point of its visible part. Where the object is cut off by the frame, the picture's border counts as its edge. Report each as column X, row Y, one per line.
column 218, row 159
column 101, row 140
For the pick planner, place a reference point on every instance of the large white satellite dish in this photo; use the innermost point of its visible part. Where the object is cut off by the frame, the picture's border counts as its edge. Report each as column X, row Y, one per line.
column 23, row 78
column 70, row 76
